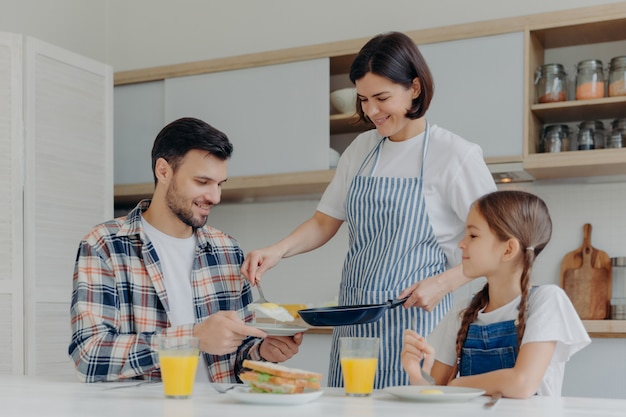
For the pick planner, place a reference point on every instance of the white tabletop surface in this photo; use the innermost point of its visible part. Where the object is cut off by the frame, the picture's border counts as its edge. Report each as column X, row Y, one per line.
column 47, row 397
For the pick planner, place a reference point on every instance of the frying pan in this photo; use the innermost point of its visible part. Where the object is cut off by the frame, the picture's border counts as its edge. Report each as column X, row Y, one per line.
column 347, row 315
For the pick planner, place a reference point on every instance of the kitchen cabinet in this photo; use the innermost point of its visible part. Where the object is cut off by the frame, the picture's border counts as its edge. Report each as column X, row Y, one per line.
column 586, row 37
column 56, row 179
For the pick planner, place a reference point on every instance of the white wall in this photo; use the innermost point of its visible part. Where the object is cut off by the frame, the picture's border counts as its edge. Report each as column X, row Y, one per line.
column 76, row 25
column 149, row 33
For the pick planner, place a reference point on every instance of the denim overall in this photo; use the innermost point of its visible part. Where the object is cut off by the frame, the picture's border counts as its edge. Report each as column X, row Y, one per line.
column 490, row 347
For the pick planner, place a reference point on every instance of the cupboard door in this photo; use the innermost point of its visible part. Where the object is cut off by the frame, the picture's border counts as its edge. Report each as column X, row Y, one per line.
column 139, row 116
column 479, row 84
column 11, row 180
column 275, row 115
column 68, row 188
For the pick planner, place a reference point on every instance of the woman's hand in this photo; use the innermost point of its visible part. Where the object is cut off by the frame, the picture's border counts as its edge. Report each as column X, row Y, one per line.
column 259, row 261
column 414, row 351
column 425, row 294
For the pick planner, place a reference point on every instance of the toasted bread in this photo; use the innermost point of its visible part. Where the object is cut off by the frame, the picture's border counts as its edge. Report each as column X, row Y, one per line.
column 278, row 379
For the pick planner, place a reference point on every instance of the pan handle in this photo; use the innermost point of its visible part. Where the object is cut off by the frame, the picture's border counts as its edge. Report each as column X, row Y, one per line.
column 397, row 302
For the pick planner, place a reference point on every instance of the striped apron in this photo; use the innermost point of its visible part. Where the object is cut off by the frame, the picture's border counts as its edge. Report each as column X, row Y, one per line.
column 391, row 246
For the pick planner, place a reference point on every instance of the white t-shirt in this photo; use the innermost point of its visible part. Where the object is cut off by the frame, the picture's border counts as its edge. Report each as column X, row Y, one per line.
column 455, row 175
column 177, row 256
column 551, row 317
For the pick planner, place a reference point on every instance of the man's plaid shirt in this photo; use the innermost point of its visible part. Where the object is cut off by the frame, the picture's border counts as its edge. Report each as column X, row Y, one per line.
column 119, row 302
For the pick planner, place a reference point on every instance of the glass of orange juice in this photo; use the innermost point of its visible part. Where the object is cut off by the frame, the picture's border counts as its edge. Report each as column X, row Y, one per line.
column 178, row 358
column 359, row 359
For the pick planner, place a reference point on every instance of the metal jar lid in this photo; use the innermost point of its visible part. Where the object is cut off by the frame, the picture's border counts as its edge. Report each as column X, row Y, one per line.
column 619, row 123
column 617, row 62
column 619, row 261
column 589, row 64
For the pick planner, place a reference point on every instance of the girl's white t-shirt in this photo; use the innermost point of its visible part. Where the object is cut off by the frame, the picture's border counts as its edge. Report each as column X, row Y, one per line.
column 551, row 317
column 455, row 175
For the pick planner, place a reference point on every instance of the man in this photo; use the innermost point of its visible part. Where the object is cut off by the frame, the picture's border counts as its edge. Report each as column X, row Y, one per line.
column 162, row 270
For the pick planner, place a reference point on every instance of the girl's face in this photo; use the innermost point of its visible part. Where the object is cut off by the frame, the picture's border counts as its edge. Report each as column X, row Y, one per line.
column 386, row 104
column 482, row 251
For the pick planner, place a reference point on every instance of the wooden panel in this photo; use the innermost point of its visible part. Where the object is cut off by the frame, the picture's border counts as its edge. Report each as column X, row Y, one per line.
column 566, row 111
column 238, row 189
column 606, row 328
column 597, row 162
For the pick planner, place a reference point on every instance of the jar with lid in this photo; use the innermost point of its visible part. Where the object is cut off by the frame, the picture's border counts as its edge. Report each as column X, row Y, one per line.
column 555, row 138
column 585, row 139
column 617, row 138
column 618, row 288
column 550, row 83
column 617, row 76
column 597, row 132
column 589, row 79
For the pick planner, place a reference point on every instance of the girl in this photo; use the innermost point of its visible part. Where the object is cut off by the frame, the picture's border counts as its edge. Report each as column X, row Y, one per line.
column 512, row 338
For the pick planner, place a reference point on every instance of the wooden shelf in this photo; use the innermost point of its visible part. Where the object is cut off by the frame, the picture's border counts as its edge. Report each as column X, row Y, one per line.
column 245, row 188
column 579, row 110
column 606, row 328
column 597, row 162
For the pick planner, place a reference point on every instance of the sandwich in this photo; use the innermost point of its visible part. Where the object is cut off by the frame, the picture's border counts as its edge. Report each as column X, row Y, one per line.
column 268, row 377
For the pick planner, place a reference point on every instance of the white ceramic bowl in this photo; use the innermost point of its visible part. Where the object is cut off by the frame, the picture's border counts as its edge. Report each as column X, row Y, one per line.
column 344, row 100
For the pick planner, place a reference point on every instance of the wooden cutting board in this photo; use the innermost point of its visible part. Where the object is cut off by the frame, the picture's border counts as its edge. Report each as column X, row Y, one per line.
column 586, row 278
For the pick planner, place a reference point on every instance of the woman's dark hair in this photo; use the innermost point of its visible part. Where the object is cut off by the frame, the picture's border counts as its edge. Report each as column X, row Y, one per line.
column 518, row 215
column 395, row 56
column 183, row 135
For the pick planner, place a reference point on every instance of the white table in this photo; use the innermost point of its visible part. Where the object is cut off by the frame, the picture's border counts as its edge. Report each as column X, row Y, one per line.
column 47, row 397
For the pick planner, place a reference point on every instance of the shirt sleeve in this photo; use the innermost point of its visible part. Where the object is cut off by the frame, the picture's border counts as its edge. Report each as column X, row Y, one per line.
column 552, row 317
column 443, row 337
column 101, row 352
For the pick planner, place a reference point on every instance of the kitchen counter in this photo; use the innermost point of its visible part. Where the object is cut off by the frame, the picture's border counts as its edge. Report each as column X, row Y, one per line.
column 29, row 396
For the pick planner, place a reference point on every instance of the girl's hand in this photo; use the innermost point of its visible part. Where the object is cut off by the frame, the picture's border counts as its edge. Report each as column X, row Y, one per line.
column 414, row 351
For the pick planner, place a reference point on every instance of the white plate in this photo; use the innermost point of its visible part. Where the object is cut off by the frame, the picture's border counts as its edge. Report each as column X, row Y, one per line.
column 244, row 395
column 450, row 394
column 277, row 329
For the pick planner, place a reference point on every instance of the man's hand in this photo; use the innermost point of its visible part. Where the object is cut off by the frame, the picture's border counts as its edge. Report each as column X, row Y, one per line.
column 280, row 348
column 223, row 332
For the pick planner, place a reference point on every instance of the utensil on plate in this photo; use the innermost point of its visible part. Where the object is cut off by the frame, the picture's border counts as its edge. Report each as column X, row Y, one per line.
column 494, row 400
column 220, row 388
column 269, row 308
column 347, row 315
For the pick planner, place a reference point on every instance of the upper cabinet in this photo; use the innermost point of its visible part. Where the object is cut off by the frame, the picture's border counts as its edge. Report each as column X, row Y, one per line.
column 590, row 36
column 276, row 116
column 484, row 91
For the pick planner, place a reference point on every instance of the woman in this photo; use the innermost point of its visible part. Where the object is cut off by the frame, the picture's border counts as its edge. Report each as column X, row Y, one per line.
column 404, row 190
column 511, row 338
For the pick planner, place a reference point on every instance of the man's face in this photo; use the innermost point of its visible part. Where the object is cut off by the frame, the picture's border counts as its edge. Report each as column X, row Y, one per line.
column 195, row 187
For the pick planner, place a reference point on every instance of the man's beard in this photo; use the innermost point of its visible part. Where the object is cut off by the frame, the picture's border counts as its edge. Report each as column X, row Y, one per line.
column 177, row 204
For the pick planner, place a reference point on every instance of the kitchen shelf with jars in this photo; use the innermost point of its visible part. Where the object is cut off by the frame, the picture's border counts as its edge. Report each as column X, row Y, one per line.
column 576, row 125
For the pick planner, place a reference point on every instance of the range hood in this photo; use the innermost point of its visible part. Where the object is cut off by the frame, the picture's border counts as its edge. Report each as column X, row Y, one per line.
column 508, row 172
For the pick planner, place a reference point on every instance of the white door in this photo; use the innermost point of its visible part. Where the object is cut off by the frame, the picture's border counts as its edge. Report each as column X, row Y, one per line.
column 68, row 188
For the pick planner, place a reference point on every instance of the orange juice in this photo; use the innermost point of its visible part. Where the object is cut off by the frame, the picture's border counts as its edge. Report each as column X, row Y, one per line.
column 178, row 371
column 358, row 375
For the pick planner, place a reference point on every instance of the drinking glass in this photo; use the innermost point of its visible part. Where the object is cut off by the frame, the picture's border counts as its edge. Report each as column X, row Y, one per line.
column 359, row 359
column 178, row 358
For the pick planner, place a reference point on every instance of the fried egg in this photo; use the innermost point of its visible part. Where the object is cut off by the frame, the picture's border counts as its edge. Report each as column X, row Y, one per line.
column 271, row 310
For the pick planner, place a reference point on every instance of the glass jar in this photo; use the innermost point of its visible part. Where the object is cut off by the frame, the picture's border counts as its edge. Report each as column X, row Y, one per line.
column 589, row 79
column 598, row 133
column 617, row 138
column 585, row 139
column 550, row 83
column 617, row 76
column 618, row 288
column 555, row 138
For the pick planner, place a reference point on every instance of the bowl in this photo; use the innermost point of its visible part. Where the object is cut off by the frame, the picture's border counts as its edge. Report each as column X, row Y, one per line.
column 344, row 100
